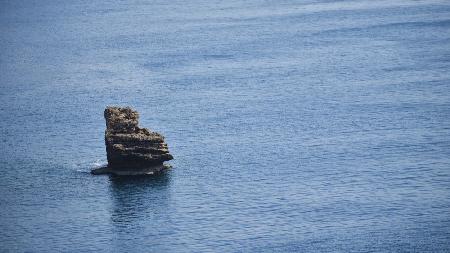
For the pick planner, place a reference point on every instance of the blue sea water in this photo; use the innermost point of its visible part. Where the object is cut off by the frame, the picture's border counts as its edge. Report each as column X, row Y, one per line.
column 296, row 126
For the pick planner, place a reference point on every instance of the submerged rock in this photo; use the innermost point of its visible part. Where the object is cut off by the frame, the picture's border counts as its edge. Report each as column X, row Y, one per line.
column 132, row 150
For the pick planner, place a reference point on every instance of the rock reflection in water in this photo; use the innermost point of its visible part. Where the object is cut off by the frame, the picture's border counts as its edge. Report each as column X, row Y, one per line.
column 140, row 207
column 138, row 196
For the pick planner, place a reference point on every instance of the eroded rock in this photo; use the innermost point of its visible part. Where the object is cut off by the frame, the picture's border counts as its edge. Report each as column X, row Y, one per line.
column 130, row 149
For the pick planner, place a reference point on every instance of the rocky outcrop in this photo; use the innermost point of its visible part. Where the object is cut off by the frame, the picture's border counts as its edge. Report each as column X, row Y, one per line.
column 130, row 149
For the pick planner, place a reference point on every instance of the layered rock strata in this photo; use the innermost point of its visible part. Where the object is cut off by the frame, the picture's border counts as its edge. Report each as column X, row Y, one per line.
column 130, row 149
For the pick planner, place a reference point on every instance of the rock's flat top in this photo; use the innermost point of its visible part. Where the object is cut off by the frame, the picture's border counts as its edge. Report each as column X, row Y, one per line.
column 129, row 148
column 121, row 119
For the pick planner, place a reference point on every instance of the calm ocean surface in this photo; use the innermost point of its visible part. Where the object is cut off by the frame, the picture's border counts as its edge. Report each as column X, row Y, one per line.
column 296, row 126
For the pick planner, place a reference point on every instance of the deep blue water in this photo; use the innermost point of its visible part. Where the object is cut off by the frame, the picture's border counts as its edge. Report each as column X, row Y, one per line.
column 296, row 126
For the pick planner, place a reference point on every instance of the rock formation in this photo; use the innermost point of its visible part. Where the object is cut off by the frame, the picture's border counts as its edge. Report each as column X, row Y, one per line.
column 130, row 149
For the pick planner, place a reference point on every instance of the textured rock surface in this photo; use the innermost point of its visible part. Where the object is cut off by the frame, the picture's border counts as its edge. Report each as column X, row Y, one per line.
column 129, row 147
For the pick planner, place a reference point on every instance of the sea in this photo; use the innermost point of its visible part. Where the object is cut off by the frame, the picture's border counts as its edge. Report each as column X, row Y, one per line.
column 295, row 125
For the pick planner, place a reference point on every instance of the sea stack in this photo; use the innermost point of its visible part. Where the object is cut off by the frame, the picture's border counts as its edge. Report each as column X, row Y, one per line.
column 131, row 150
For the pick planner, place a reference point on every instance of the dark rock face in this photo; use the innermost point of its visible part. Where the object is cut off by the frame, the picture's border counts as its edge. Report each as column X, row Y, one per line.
column 129, row 147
